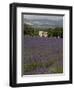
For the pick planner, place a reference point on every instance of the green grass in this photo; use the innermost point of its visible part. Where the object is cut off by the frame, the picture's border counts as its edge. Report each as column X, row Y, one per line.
column 34, row 65
column 56, row 69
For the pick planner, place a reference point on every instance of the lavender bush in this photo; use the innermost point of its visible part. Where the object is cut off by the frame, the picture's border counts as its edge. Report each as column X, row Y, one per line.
column 43, row 55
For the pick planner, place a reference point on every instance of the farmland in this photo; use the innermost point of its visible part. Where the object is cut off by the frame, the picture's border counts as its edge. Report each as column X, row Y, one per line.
column 42, row 44
column 42, row 55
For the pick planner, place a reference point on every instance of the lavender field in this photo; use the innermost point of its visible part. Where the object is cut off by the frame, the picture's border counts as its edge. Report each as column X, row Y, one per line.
column 42, row 55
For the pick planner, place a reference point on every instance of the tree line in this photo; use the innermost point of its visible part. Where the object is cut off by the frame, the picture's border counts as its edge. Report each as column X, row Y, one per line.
column 52, row 32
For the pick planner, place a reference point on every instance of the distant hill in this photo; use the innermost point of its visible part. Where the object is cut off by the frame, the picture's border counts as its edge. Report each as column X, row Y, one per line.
column 44, row 23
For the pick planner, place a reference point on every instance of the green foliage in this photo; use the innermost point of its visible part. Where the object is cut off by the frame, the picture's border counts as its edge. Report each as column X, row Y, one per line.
column 52, row 32
column 28, row 30
column 55, row 32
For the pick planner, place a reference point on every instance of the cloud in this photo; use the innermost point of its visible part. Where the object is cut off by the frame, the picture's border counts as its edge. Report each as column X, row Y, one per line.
column 43, row 20
column 43, row 17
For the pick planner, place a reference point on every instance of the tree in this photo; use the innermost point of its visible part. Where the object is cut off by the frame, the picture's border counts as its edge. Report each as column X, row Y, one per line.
column 28, row 30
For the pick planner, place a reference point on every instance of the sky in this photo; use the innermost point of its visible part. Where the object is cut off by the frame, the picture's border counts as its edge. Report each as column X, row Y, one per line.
column 43, row 20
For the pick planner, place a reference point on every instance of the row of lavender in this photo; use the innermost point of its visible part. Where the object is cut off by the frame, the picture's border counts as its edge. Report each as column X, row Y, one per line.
column 42, row 55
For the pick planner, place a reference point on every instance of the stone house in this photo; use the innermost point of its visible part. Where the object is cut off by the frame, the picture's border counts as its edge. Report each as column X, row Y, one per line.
column 43, row 34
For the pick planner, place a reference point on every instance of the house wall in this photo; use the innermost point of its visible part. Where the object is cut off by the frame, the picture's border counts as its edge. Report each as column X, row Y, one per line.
column 43, row 34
